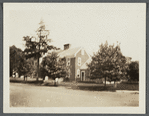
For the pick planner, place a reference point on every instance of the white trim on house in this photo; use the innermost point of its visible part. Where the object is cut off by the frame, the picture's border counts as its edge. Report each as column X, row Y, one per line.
column 81, row 75
column 77, row 52
column 84, row 51
column 88, row 55
column 88, row 60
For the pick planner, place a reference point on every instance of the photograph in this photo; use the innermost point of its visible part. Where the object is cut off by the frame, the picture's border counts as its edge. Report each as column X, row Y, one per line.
column 74, row 58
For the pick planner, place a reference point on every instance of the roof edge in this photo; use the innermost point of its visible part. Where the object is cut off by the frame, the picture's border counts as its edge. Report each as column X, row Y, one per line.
column 77, row 51
column 85, row 62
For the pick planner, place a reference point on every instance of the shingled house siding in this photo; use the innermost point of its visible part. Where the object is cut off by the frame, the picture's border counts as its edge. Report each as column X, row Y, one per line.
column 72, row 69
column 84, row 58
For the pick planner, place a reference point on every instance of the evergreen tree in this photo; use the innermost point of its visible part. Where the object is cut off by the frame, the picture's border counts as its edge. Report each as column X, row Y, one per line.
column 37, row 46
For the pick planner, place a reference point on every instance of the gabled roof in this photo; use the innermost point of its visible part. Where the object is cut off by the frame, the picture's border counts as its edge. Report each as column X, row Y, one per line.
column 70, row 53
column 84, row 66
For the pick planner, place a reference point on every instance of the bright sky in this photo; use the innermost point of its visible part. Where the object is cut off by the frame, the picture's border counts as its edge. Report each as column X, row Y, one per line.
column 87, row 25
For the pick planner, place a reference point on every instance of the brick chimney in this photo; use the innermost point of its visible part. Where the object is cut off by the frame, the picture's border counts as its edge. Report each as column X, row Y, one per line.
column 66, row 46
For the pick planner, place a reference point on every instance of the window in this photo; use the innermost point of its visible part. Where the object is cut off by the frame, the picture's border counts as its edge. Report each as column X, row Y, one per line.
column 78, row 73
column 82, row 51
column 68, row 62
column 79, row 61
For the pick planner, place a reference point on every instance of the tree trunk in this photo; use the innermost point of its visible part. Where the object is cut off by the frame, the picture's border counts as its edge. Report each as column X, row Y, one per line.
column 24, row 78
column 10, row 72
column 105, row 81
column 54, row 83
column 43, row 78
column 115, row 85
column 38, row 59
column 37, row 69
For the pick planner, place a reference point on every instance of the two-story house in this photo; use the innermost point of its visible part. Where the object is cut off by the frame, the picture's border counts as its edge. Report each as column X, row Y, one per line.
column 76, row 59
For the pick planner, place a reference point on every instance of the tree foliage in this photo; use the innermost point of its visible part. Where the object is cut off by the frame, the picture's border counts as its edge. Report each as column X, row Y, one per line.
column 18, row 62
column 133, row 71
column 38, row 45
column 53, row 66
column 15, row 56
column 25, row 67
column 108, row 63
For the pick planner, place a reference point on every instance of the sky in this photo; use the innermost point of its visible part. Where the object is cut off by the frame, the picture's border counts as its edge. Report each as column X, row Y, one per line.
column 86, row 25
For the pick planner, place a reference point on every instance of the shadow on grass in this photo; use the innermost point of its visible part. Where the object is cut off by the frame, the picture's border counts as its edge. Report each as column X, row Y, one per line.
column 88, row 82
column 49, row 85
column 101, row 87
column 28, row 82
column 93, row 88
column 33, row 82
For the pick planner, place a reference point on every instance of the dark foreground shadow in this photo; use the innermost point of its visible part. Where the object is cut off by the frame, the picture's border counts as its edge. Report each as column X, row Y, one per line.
column 81, row 86
column 49, row 85
column 93, row 88
column 27, row 82
column 33, row 82
column 101, row 87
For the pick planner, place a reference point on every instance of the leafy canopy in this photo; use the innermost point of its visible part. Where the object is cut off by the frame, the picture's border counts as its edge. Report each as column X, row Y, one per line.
column 133, row 71
column 107, row 62
column 18, row 62
column 53, row 66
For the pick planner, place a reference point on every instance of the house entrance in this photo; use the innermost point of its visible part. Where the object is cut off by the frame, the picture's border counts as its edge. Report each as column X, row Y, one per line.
column 82, row 75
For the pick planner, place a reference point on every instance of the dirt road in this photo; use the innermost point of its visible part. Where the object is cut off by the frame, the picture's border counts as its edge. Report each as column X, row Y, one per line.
column 25, row 95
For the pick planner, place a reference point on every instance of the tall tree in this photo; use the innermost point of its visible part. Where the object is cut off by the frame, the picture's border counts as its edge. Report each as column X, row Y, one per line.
column 37, row 46
column 107, row 63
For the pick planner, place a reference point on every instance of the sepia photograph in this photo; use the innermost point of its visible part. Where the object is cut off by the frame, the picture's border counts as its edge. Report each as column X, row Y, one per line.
column 74, row 58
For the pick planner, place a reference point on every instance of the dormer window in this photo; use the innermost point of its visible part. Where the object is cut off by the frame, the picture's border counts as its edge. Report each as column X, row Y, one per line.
column 79, row 61
column 82, row 52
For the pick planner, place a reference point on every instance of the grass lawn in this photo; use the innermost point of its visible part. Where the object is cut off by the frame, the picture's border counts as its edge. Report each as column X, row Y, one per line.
column 27, row 95
column 81, row 86
column 31, row 93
